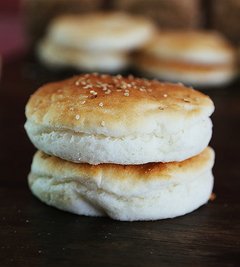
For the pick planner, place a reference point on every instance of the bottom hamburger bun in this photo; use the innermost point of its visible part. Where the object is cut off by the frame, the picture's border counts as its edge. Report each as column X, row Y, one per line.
column 56, row 56
column 128, row 193
column 202, row 75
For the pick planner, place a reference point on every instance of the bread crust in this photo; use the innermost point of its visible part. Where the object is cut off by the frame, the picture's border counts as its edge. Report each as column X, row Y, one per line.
column 144, row 192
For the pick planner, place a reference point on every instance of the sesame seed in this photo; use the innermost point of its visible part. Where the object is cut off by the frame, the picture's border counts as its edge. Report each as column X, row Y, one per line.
column 92, row 92
column 103, row 123
column 87, row 86
column 82, row 102
column 71, row 109
column 126, row 91
column 108, row 92
column 77, row 117
column 165, row 95
column 119, row 90
column 126, row 94
column 100, row 104
column 186, row 100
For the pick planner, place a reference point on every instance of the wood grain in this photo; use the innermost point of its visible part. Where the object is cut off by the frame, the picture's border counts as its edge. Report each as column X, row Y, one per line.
column 33, row 234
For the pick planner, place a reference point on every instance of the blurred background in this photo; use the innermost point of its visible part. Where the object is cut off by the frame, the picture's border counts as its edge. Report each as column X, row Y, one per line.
column 23, row 22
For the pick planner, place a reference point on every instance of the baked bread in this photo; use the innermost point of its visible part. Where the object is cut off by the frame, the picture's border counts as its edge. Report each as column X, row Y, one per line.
column 55, row 56
column 199, row 58
column 112, row 31
column 96, row 119
column 128, row 193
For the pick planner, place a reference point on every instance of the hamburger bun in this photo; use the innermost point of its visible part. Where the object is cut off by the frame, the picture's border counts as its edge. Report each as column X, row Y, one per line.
column 113, row 31
column 97, row 119
column 145, row 192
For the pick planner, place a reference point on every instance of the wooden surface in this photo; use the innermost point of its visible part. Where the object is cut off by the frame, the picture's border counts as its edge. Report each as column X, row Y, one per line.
column 33, row 234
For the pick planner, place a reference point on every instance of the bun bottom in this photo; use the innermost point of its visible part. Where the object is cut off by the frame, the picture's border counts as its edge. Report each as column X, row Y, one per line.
column 56, row 56
column 123, row 192
column 172, row 201
column 194, row 75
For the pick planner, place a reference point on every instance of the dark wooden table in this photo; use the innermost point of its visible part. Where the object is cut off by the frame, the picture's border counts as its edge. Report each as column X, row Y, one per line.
column 33, row 234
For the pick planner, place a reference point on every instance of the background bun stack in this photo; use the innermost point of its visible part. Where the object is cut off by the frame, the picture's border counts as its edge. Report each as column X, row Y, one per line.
column 128, row 148
column 94, row 42
column 199, row 58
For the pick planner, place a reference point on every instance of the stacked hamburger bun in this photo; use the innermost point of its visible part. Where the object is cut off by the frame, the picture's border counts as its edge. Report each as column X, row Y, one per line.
column 94, row 42
column 127, row 148
column 198, row 58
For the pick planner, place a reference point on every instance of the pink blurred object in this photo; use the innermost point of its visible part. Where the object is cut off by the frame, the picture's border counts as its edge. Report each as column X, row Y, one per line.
column 12, row 37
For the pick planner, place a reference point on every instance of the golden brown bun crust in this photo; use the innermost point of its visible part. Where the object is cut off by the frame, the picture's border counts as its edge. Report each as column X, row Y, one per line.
column 143, row 172
column 121, row 105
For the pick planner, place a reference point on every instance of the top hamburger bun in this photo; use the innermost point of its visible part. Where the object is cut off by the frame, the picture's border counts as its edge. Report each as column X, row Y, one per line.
column 101, row 31
column 202, row 47
column 110, row 119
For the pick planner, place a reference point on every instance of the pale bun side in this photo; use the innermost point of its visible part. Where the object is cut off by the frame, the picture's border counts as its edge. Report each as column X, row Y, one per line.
column 128, row 193
column 131, row 149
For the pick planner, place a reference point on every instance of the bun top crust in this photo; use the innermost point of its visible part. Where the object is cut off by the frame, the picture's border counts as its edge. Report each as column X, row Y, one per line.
column 123, row 179
column 192, row 46
column 101, row 31
column 115, row 106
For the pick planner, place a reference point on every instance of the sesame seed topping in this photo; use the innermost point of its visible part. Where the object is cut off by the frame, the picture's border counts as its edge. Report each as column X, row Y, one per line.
column 71, row 109
column 165, row 95
column 186, row 100
column 126, row 94
column 100, row 104
column 103, row 123
column 82, row 102
column 119, row 90
column 77, row 117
